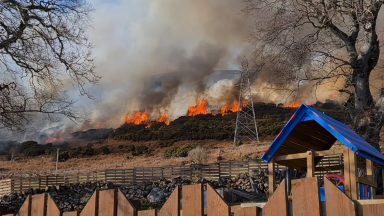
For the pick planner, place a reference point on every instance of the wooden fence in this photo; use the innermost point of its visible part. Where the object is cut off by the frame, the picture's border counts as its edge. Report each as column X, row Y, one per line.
column 203, row 200
column 212, row 171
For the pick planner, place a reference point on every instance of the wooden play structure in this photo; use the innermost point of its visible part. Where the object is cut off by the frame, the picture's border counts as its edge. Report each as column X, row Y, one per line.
column 308, row 137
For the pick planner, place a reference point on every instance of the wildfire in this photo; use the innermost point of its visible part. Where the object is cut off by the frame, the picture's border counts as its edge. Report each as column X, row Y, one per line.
column 137, row 118
column 235, row 107
column 199, row 109
column 293, row 105
column 224, row 110
column 163, row 119
column 55, row 140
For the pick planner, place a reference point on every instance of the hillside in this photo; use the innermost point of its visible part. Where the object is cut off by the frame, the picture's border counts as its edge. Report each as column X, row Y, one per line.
column 208, row 137
column 270, row 119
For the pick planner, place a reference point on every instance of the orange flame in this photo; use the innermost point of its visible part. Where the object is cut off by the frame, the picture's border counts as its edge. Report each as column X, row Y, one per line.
column 235, row 107
column 54, row 140
column 163, row 119
column 199, row 109
column 137, row 118
column 293, row 105
column 224, row 110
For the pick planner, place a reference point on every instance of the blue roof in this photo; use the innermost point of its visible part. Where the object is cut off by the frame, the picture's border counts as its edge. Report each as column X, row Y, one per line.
column 320, row 137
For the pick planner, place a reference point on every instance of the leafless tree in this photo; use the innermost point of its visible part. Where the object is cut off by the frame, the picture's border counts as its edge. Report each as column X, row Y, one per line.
column 318, row 41
column 43, row 51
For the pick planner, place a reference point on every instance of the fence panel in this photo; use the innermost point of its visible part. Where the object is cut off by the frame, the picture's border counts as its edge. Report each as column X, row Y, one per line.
column 305, row 197
column 212, row 171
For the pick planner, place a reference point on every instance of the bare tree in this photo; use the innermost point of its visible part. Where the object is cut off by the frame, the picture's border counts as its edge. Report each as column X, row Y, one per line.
column 318, row 41
column 43, row 51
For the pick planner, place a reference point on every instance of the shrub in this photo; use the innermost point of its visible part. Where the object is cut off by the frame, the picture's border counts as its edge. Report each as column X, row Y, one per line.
column 89, row 151
column 140, row 150
column 130, row 148
column 63, row 156
column 105, row 150
column 76, row 151
column 198, row 155
column 32, row 148
column 178, row 151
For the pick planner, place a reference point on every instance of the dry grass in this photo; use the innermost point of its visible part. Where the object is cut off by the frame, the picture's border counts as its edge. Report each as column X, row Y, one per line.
column 216, row 150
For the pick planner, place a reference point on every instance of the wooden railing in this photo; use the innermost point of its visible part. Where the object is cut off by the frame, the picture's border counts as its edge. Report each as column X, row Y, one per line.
column 212, row 171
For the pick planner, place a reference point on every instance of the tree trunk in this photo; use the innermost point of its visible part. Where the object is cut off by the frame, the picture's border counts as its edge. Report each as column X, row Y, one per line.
column 365, row 115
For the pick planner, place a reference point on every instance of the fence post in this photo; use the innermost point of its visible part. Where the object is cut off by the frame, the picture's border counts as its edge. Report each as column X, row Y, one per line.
column 133, row 175
column 124, row 176
column 162, row 172
column 230, row 169
column 248, row 167
column 219, row 164
column 39, row 181
column 12, row 185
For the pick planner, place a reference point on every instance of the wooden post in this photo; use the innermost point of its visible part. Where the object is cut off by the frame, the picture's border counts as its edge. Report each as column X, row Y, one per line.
column 350, row 180
column 347, row 180
column 371, row 174
column 271, row 177
column 162, row 172
column 352, row 169
column 370, row 167
column 219, row 166
column 310, row 164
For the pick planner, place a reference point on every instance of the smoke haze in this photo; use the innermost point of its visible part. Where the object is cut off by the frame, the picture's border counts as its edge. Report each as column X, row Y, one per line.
column 160, row 57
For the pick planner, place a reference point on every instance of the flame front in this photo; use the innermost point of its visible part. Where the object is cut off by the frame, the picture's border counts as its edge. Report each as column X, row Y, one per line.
column 55, row 140
column 199, row 109
column 233, row 108
column 163, row 119
column 293, row 105
column 137, row 118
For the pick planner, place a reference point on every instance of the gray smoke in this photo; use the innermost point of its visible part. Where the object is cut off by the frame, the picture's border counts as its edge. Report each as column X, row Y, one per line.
column 164, row 55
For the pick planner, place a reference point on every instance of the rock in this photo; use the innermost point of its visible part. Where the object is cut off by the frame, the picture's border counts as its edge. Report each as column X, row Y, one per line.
column 156, row 195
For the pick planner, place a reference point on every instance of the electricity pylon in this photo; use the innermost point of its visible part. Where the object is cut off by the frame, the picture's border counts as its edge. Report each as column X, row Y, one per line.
column 246, row 126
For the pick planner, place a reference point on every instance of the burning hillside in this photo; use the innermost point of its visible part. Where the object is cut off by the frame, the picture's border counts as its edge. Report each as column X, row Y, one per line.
column 201, row 107
column 214, row 123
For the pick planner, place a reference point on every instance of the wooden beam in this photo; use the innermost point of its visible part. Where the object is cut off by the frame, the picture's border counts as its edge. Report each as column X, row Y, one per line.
column 329, row 168
column 304, row 155
column 328, row 153
column 310, row 164
column 367, row 181
column 291, row 157
column 271, row 178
